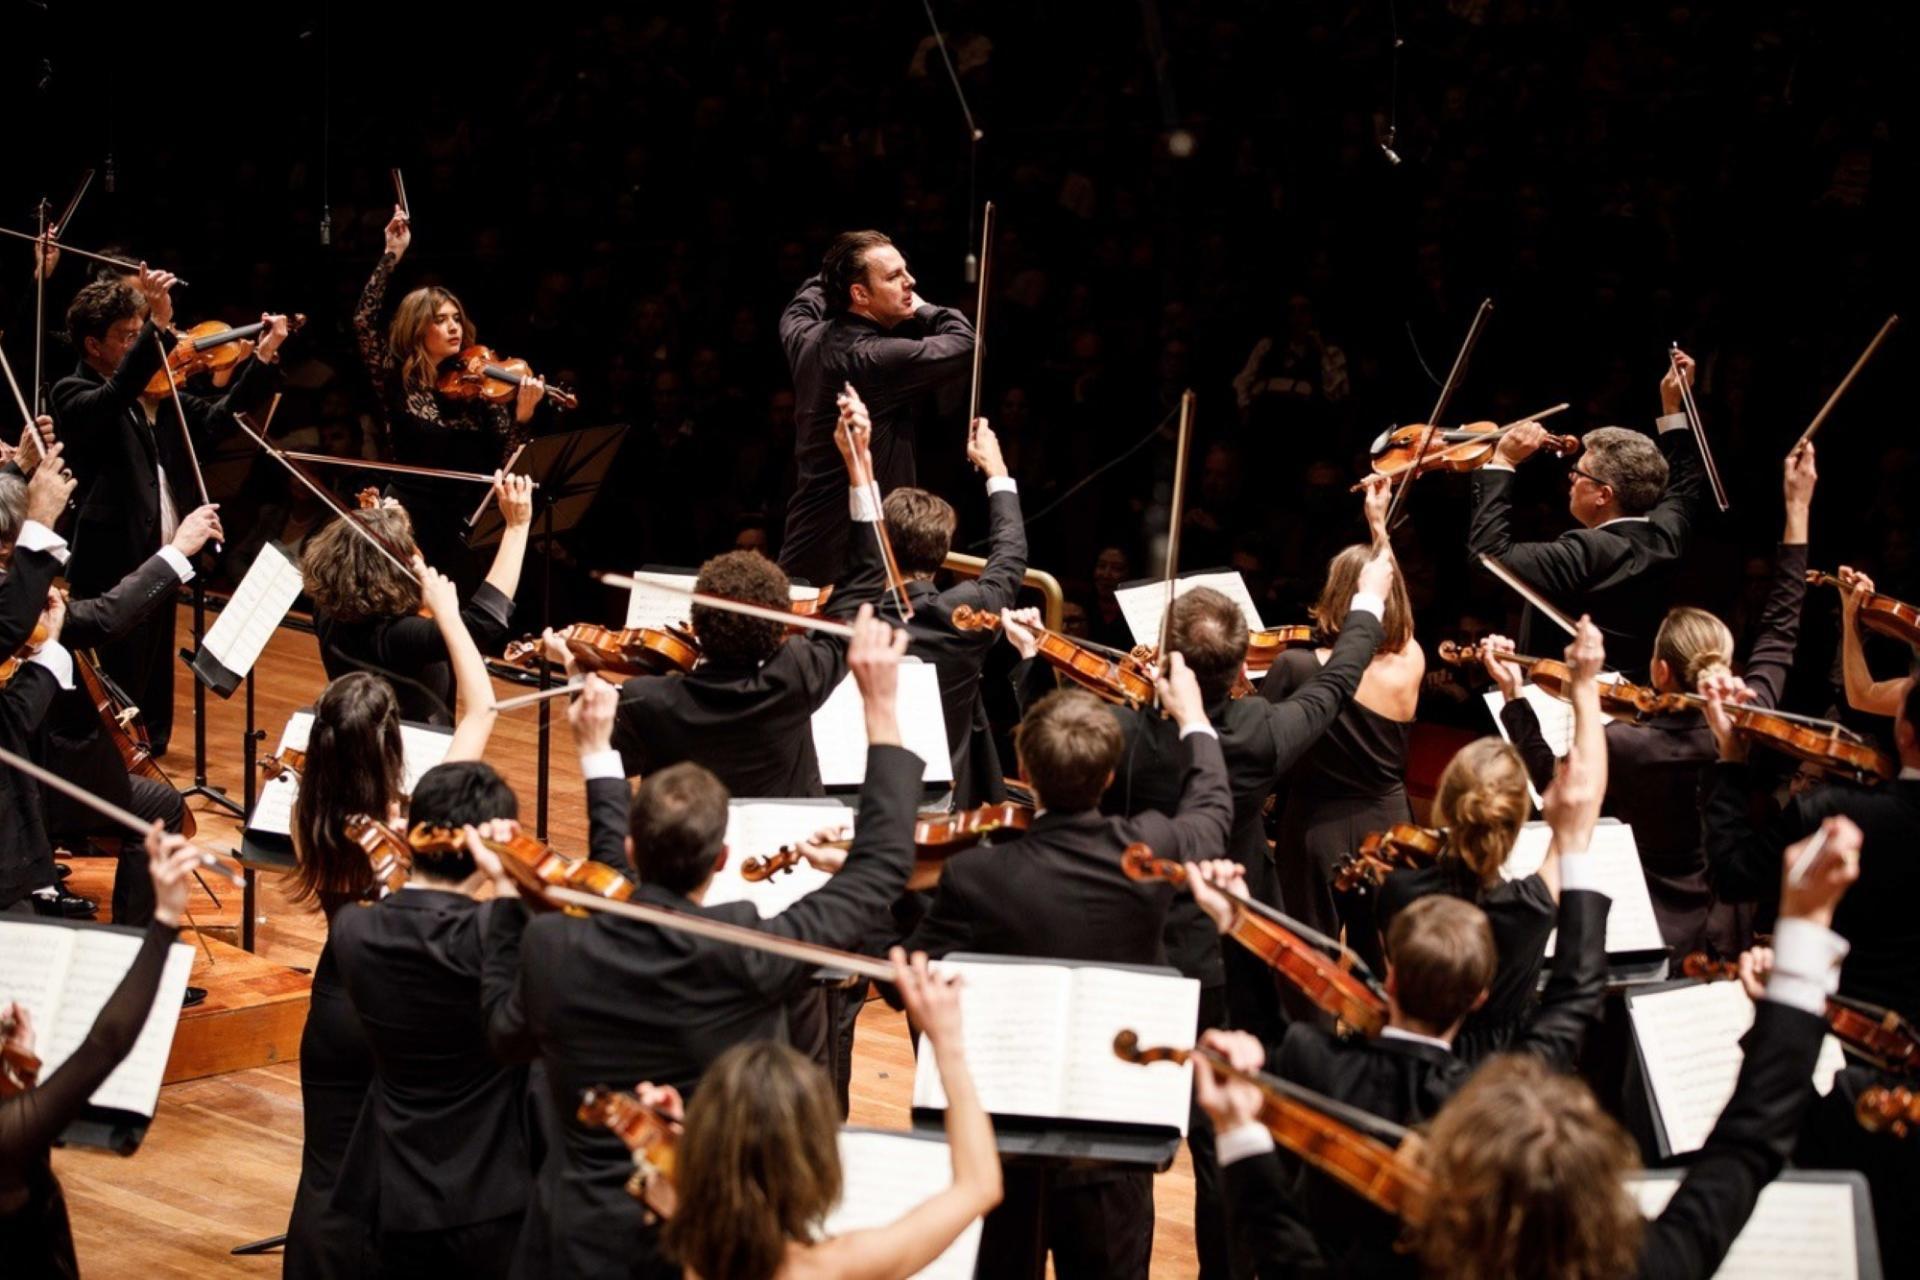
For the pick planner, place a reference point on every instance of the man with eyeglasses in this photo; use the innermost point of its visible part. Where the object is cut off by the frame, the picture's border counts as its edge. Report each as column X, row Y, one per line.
column 1636, row 502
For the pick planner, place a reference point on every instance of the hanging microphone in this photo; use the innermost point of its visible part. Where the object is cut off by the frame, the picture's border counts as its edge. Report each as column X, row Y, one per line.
column 107, row 180
column 1386, row 148
column 971, row 269
column 326, row 226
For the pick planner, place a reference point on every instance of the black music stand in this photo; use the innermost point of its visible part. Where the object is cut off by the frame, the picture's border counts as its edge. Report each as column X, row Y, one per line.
column 208, row 674
column 568, row 468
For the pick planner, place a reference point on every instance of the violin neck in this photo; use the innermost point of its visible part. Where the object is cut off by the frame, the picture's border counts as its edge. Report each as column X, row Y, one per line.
column 229, row 335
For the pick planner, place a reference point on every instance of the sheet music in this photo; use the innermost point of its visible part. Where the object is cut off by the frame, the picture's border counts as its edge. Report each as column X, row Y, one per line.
column 422, row 747
column 757, row 829
column 1163, row 1011
column 257, row 608
column 1555, row 716
column 1014, row 1018
column 1631, row 924
column 648, row 606
column 840, row 728
column 135, row 1083
column 33, row 966
column 1690, row 1040
column 1143, row 604
column 1798, row 1231
column 883, row 1176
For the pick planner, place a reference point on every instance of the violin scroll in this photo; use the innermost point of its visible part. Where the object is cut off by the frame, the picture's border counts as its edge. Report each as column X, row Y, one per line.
column 967, row 618
column 1891, row 1109
column 1138, row 862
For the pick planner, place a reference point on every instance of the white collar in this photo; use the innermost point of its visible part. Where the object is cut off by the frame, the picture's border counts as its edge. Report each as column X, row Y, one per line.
column 1910, row 774
column 1414, row 1037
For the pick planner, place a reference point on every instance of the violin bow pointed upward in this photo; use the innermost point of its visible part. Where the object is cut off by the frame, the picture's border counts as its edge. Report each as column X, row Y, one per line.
column 980, row 317
column 1694, row 425
column 1183, row 442
column 1442, row 404
column 1827, row 408
column 186, row 432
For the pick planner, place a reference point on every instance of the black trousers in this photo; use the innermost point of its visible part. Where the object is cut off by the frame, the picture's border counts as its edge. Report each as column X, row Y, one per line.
column 142, row 663
column 1097, row 1226
column 132, row 883
column 474, row 1252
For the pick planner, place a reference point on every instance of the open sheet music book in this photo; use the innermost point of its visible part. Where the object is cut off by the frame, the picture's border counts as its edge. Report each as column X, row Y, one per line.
column 241, row 632
column 1555, row 717
column 647, row 606
column 64, row 974
column 1631, row 924
column 1144, row 603
column 1689, row 1041
column 1798, row 1231
column 422, row 745
column 840, row 727
column 1039, row 1042
column 758, row 829
column 883, row 1176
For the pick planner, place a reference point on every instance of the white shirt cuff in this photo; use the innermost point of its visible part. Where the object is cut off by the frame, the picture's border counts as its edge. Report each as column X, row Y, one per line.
column 182, row 567
column 1368, row 602
column 602, row 764
column 54, row 657
column 1581, row 871
column 1200, row 728
column 864, row 504
column 1806, row 964
column 35, row 536
column 1496, row 466
column 1243, row 1142
column 1002, row 484
column 1671, row 422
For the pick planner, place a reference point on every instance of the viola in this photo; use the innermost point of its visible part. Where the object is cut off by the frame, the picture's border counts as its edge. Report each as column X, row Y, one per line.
column 628, row 651
column 19, row 1066
column 212, row 347
column 1892, row 1109
column 1878, row 611
column 1334, row 1138
column 1880, row 1036
column 1402, row 847
column 288, row 760
column 121, row 719
column 1296, row 952
column 388, row 853
column 1464, row 448
column 1116, row 677
column 478, row 374
column 934, row 841
column 1268, row 643
column 532, row 864
column 651, row 1135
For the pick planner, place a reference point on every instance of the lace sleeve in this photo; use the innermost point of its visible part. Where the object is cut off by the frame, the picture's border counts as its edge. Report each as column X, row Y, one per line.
column 366, row 323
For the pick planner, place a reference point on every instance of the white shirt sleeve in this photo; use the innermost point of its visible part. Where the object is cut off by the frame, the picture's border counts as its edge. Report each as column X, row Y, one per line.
column 1671, row 422
column 602, row 764
column 864, row 504
column 1242, row 1142
column 181, row 566
column 1806, row 964
column 54, row 657
column 1002, row 484
column 1368, row 602
column 1496, row 465
column 1581, row 871
column 35, row 536
column 1205, row 728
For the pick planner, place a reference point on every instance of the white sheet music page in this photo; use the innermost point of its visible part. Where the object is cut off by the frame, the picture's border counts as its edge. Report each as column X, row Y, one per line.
column 1162, row 1010
column 883, row 1176
column 1798, row 1231
column 1631, row 924
column 1690, row 1040
column 259, row 605
column 421, row 746
column 1014, row 1017
column 758, row 829
column 33, row 968
column 840, row 728
column 649, row 606
column 1143, row 604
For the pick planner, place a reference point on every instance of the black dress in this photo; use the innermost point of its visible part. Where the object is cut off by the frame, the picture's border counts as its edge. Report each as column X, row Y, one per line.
column 336, row 1070
column 1350, row 782
column 36, row 1238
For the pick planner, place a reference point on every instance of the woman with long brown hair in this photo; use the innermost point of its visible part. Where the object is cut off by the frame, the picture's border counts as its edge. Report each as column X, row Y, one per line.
column 758, row 1165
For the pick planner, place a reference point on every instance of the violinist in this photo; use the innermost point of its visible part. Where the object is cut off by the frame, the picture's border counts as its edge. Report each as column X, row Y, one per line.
column 607, row 998
column 42, row 667
column 23, row 592
column 366, row 609
column 1636, row 504
column 428, row 330
column 1058, row 890
column 861, row 321
column 1654, row 768
column 758, row 1167
column 440, row 1160
column 138, row 477
column 71, row 739
column 354, row 766
column 35, row 1236
column 1523, row 1163
column 1864, row 693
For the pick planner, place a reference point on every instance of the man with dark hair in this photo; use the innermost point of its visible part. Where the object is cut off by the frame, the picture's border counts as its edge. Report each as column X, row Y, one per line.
column 440, row 1162
column 136, row 476
column 609, row 999
column 1635, row 525
column 859, row 322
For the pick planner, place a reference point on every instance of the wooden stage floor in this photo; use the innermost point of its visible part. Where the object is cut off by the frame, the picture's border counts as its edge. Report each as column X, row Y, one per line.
column 221, row 1161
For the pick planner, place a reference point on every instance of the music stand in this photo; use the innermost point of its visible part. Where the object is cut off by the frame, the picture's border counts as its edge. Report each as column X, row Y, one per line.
column 569, row 468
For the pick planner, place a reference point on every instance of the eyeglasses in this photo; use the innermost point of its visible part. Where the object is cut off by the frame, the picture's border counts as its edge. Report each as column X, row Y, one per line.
column 1588, row 476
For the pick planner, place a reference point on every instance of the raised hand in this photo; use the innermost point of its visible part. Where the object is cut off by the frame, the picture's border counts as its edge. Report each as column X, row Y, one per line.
column 1505, row 674
column 514, row 496
column 52, row 484
column 1521, row 443
column 853, row 433
column 1811, row 890
column 1179, row 692
column 932, row 1000
column 399, row 234
column 983, row 449
column 155, row 287
column 1228, row 1102
column 1021, row 628
column 592, row 715
column 1670, row 398
column 28, row 456
column 201, row 526
column 1586, row 654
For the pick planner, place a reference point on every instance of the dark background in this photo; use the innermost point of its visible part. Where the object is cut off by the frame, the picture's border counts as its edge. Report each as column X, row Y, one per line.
column 627, row 198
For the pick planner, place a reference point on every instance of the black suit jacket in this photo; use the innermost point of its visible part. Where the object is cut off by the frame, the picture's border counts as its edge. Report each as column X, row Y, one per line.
column 114, row 452
column 958, row 655
column 1619, row 573
column 23, row 588
column 26, row 859
column 1058, row 892
column 1259, row 742
column 611, row 1001
column 412, row 647
column 443, row 1136
column 893, row 370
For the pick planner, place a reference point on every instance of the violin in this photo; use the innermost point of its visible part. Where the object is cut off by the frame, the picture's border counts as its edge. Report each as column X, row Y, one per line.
column 1878, row 611
column 19, row 1066
column 1881, row 1036
column 388, row 853
column 12, row 662
column 651, row 1135
column 479, row 374
column 1296, row 952
column 1464, row 448
column 121, row 719
column 212, row 347
column 1268, row 643
column 1111, row 675
column 288, row 760
column 532, row 865
column 1402, row 847
column 1328, row 1135
column 1698, row 964
column 629, row 651
column 934, row 841
column 1892, row 1109
column 1824, row 744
